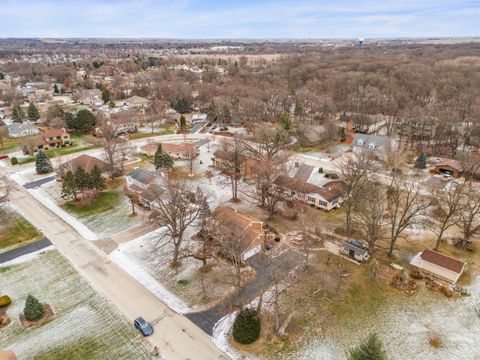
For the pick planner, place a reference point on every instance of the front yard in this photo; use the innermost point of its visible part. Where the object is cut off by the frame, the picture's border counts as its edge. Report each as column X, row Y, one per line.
column 14, row 229
column 85, row 325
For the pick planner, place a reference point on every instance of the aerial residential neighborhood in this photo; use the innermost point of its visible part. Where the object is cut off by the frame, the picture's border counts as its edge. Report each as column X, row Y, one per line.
column 297, row 180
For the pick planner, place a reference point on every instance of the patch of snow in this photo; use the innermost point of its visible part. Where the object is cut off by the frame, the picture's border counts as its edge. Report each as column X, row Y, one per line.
column 147, row 281
column 221, row 333
column 47, row 201
column 66, row 328
column 27, row 257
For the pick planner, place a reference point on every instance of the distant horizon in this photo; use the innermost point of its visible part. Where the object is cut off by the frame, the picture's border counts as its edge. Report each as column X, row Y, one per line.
column 249, row 19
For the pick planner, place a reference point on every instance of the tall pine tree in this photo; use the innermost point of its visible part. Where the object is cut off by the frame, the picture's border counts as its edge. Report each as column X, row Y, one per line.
column 42, row 163
column 32, row 112
column 162, row 160
column 17, row 114
column 421, row 162
column 69, row 186
column 97, row 181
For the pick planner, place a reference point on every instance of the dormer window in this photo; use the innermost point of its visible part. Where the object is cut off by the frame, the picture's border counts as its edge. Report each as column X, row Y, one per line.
column 371, row 146
column 360, row 142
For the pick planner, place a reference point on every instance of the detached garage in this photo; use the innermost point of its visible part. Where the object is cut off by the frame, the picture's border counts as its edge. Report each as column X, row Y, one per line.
column 438, row 265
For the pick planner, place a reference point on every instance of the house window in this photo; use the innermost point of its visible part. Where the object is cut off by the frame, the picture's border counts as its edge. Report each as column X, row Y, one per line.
column 360, row 142
column 311, row 199
column 322, row 203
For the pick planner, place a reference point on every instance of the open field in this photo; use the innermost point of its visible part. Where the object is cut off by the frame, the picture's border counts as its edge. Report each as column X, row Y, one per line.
column 84, row 326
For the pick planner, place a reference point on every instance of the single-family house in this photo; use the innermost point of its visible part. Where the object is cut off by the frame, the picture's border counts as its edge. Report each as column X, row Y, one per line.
column 362, row 123
column 149, row 148
column 249, row 231
column 449, row 166
column 328, row 196
column 136, row 102
column 376, row 145
column 123, row 123
column 223, row 160
column 49, row 139
column 438, row 265
column 17, row 130
column 145, row 184
column 92, row 97
column 310, row 135
column 86, row 162
column 182, row 150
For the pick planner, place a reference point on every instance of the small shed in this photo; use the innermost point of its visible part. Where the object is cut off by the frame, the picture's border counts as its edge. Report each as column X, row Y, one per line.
column 438, row 265
column 355, row 250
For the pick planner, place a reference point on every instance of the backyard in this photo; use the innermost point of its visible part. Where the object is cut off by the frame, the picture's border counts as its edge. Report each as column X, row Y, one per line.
column 84, row 326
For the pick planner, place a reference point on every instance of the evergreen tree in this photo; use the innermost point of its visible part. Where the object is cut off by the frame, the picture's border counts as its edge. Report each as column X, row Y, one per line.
column 285, row 122
column 69, row 186
column 183, row 123
column 105, row 95
column 421, row 162
column 162, row 160
column 181, row 105
column 81, row 179
column 84, row 121
column 55, row 89
column 32, row 112
column 33, row 310
column 370, row 349
column 97, row 181
column 42, row 163
column 17, row 114
column 246, row 328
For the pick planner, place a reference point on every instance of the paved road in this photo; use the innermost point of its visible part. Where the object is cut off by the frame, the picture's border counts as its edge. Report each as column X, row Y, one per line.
column 266, row 269
column 24, row 250
column 40, row 182
column 175, row 335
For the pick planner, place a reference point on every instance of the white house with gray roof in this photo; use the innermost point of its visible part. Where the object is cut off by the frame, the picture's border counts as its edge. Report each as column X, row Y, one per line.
column 371, row 143
column 17, row 130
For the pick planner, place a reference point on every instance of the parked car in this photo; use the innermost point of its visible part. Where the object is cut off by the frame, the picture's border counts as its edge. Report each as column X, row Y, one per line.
column 3, row 157
column 143, row 326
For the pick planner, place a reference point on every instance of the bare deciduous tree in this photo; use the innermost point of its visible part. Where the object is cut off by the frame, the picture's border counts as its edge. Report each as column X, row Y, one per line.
column 356, row 172
column 175, row 211
column 405, row 205
column 447, row 208
column 369, row 218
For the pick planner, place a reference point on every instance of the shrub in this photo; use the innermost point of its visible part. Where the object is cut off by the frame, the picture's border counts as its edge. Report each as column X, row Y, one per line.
column 33, row 310
column 14, row 160
column 370, row 349
column 5, row 300
column 246, row 328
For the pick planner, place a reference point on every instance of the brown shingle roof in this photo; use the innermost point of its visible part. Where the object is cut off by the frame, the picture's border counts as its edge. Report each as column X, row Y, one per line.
column 53, row 133
column 86, row 162
column 296, row 185
column 444, row 261
column 182, row 148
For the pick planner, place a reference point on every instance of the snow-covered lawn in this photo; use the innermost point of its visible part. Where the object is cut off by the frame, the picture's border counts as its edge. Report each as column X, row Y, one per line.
column 106, row 223
column 82, row 317
column 181, row 287
column 405, row 327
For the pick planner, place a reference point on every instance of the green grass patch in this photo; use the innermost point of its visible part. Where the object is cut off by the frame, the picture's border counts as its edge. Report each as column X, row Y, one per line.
column 105, row 201
column 89, row 348
column 10, row 145
column 18, row 231
column 141, row 135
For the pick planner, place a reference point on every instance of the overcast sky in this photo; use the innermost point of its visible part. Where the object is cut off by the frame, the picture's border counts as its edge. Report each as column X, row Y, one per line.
column 194, row 19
